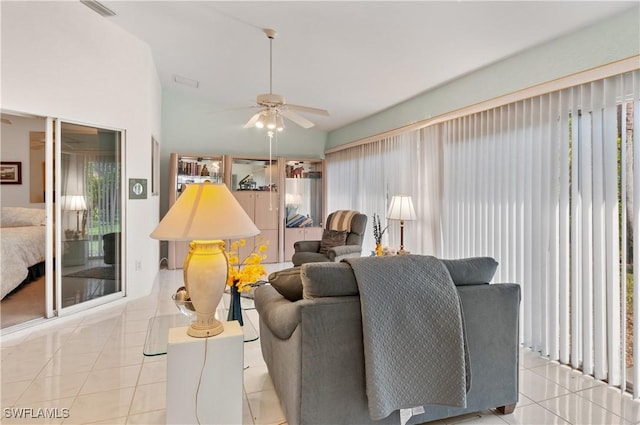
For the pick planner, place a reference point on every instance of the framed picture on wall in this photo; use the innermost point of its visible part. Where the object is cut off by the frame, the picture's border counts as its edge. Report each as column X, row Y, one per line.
column 155, row 167
column 10, row 172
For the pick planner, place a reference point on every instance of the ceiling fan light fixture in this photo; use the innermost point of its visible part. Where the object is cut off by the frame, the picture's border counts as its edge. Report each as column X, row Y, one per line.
column 261, row 121
column 271, row 121
column 279, row 123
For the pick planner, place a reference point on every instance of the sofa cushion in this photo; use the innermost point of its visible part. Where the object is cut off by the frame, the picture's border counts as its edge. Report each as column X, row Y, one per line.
column 299, row 258
column 327, row 280
column 471, row 271
column 288, row 283
column 332, row 238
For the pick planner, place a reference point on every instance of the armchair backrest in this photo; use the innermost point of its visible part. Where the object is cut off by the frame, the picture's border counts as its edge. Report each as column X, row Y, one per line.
column 358, row 226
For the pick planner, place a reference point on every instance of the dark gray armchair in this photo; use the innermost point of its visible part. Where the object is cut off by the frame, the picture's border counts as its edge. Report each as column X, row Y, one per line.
column 309, row 251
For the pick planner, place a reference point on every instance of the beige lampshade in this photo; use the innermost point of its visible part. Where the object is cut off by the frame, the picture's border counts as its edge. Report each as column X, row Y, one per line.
column 205, row 211
column 73, row 203
column 401, row 208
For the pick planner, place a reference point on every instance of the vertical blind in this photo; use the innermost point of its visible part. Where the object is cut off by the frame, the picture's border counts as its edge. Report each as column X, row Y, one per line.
column 365, row 177
column 544, row 185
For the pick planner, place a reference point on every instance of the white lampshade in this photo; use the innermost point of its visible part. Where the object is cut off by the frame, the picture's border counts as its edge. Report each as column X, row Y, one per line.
column 205, row 211
column 73, row 203
column 204, row 214
column 401, row 208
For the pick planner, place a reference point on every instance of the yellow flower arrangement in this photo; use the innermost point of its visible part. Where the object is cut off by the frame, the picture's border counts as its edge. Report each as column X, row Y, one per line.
column 246, row 272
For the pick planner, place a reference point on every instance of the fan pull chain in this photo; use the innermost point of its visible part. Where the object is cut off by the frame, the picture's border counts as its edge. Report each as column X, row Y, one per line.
column 270, row 134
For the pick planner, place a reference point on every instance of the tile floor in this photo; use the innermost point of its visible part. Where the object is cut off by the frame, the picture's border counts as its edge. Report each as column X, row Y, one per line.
column 92, row 364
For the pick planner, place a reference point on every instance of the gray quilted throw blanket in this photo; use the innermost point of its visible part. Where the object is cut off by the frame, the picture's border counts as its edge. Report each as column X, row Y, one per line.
column 414, row 343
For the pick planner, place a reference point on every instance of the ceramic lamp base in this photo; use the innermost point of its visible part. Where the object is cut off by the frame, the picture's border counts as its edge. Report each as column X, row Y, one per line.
column 205, row 277
column 214, row 328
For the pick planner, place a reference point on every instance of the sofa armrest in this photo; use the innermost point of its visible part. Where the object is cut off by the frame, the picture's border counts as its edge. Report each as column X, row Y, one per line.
column 306, row 246
column 337, row 253
column 279, row 314
column 491, row 314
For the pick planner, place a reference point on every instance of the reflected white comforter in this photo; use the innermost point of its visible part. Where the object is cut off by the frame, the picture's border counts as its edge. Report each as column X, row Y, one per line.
column 22, row 247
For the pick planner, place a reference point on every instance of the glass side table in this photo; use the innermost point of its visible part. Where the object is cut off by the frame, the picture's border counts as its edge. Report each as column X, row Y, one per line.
column 155, row 343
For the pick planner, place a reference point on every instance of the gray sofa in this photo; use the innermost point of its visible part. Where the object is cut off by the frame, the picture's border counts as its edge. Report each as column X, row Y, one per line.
column 313, row 348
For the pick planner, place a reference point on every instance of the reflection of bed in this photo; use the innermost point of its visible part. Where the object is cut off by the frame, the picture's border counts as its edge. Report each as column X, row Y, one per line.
column 22, row 242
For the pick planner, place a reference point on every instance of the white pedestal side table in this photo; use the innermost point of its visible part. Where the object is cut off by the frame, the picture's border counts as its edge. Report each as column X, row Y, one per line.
column 220, row 394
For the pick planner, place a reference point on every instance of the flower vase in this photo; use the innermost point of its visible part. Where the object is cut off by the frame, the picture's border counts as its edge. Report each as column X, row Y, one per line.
column 235, row 312
column 378, row 249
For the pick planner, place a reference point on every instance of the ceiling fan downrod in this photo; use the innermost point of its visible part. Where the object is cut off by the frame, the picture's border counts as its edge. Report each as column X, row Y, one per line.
column 271, row 34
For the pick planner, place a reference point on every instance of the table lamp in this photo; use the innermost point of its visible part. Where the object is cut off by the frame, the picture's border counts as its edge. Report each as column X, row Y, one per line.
column 401, row 208
column 74, row 203
column 205, row 214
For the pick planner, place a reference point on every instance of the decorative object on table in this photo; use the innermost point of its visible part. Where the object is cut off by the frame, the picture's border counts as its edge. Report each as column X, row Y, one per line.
column 205, row 214
column 183, row 302
column 388, row 251
column 74, row 203
column 243, row 274
column 377, row 233
column 205, row 170
column 401, row 208
column 247, row 183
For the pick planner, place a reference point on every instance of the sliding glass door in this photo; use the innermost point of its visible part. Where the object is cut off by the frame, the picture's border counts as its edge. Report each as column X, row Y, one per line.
column 89, row 218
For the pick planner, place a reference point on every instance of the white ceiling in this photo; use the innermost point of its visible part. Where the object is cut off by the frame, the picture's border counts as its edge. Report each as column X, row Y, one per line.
column 351, row 58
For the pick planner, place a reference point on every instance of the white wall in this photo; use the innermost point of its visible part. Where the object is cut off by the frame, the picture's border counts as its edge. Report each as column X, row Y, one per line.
column 14, row 146
column 63, row 60
column 605, row 42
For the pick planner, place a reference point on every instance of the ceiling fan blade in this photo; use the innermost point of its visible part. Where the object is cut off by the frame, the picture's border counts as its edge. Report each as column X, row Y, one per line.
column 252, row 122
column 308, row 109
column 301, row 121
column 239, row 108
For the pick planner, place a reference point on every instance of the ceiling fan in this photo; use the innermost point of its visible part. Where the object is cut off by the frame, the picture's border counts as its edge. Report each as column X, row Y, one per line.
column 275, row 107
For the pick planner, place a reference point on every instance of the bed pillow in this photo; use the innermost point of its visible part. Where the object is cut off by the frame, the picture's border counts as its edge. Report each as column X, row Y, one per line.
column 471, row 271
column 20, row 217
column 331, row 239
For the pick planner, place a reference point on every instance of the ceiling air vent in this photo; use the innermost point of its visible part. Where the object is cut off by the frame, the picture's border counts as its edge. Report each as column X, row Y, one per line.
column 186, row 81
column 99, row 8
